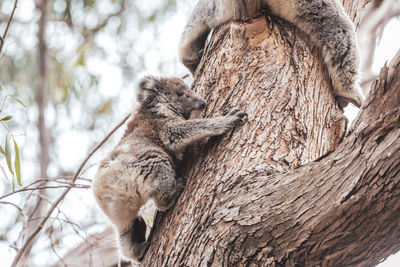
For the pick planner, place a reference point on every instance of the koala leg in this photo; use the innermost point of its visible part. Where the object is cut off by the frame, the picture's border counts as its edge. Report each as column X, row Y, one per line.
column 167, row 191
column 130, row 230
column 331, row 30
column 132, row 240
column 206, row 15
column 334, row 34
column 120, row 200
column 163, row 187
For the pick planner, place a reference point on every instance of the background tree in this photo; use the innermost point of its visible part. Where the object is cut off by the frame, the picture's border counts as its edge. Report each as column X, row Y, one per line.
column 71, row 63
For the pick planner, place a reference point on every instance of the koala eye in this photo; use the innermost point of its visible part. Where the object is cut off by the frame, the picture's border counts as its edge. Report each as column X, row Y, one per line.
column 179, row 93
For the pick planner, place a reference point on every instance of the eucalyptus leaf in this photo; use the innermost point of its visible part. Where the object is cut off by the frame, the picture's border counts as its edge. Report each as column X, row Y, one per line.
column 7, row 153
column 2, row 150
column 6, row 118
column 19, row 101
column 17, row 164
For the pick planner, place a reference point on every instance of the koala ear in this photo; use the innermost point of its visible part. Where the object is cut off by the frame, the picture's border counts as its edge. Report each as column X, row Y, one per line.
column 146, row 88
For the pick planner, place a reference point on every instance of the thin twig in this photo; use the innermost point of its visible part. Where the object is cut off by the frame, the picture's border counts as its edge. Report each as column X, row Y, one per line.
column 62, row 196
column 2, row 39
column 105, row 21
column 79, row 186
column 4, row 101
column 14, row 205
column 55, row 180
column 56, row 253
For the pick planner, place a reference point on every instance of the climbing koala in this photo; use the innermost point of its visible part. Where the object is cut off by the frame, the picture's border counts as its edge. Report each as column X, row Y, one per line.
column 142, row 165
column 324, row 21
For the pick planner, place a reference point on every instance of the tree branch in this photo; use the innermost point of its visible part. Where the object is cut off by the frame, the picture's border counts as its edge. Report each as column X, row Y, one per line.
column 359, row 222
column 370, row 32
column 269, row 193
column 62, row 196
column 105, row 21
column 2, row 39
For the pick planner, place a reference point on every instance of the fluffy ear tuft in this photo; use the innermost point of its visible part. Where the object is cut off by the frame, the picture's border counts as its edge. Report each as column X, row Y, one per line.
column 147, row 83
column 146, row 88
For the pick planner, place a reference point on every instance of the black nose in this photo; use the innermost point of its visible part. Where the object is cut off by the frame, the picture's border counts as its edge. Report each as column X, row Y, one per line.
column 202, row 103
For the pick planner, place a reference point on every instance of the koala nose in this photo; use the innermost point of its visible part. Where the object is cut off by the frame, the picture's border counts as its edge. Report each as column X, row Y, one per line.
column 202, row 103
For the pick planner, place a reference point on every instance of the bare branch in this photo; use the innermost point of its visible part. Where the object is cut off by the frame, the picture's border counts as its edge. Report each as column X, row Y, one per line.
column 55, row 252
column 371, row 28
column 105, row 21
column 14, row 205
column 64, row 184
column 89, row 32
column 4, row 101
column 2, row 39
column 47, row 187
column 62, row 196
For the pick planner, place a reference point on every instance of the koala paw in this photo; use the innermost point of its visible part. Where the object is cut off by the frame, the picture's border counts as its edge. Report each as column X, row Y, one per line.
column 344, row 101
column 180, row 185
column 200, row 53
column 191, row 64
column 238, row 115
column 141, row 250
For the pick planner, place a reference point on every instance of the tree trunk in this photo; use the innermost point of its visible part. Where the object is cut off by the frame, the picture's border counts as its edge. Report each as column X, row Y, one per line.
column 290, row 187
column 37, row 200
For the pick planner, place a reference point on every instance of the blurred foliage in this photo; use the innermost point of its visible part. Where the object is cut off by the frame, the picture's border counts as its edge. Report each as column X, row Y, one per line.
column 82, row 38
column 14, row 169
column 96, row 49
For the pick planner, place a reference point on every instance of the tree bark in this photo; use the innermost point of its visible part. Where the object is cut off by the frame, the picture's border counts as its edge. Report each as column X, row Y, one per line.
column 291, row 186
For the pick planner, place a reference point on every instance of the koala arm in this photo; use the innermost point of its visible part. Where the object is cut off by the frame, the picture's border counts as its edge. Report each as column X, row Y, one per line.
column 206, row 15
column 178, row 135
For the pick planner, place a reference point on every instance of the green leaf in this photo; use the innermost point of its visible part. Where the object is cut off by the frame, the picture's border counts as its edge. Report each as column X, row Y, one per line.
column 81, row 60
column 17, row 164
column 4, row 172
column 6, row 118
column 2, row 151
column 7, row 153
column 19, row 101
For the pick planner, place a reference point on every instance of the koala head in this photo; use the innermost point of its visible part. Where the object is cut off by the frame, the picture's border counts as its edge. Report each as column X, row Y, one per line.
column 169, row 97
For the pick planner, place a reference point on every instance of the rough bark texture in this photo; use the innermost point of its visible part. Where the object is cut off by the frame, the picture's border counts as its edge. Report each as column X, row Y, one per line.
column 283, row 189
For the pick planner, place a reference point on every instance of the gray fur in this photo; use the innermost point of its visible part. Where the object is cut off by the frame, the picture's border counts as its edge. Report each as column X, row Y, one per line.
column 142, row 165
column 324, row 21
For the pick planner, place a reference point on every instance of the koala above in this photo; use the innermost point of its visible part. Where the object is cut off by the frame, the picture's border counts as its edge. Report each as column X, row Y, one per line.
column 324, row 21
column 142, row 165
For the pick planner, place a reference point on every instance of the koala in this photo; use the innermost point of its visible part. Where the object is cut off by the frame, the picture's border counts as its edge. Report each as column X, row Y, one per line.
column 143, row 164
column 324, row 21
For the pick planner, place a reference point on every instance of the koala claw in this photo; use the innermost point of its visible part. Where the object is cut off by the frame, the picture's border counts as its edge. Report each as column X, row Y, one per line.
column 181, row 183
column 344, row 101
column 200, row 53
column 233, row 111
column 191, row 64
column 238, row 115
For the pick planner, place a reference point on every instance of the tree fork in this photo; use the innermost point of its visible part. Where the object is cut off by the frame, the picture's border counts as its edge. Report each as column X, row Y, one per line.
column 284, row 188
